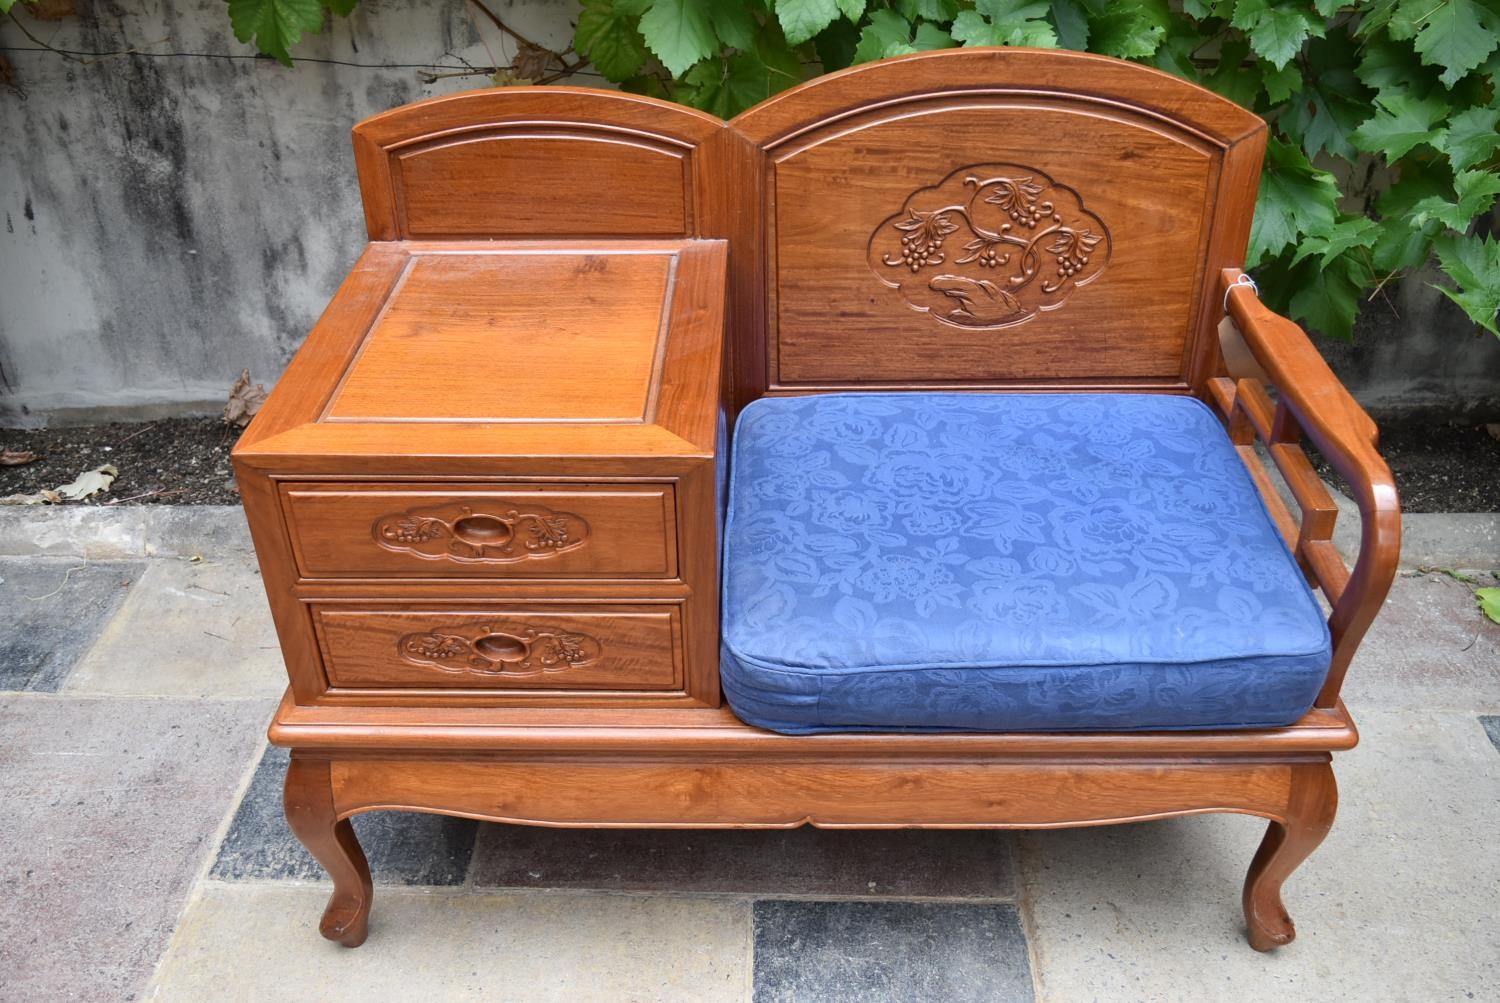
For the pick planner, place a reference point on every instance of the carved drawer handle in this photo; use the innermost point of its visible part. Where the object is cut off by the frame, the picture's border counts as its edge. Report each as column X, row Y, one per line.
column 460, row 533
column 490, row 652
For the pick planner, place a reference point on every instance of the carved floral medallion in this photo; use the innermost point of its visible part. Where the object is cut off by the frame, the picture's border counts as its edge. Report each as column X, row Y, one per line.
column 490, row 651
column 462, row 533
column 990, row 246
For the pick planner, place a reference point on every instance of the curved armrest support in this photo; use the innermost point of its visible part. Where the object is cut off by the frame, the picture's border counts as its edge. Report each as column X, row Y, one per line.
column 1346, row 436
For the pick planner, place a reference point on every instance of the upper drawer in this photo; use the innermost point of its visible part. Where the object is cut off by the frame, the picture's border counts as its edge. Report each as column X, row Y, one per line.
column 482, row 531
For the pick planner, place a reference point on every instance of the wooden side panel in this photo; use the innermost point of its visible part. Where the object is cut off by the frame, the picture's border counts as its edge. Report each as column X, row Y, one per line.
column 995, row 218
column 543, row 162
column 507, row 183
column 874, row 794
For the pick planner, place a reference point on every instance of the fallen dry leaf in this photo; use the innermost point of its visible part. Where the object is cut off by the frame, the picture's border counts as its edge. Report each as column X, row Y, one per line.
column 245, row 400
column 1494, row 429
column 531, row 61
column 90, row 482
column 43, row 497
column 52, row 10
column 16, row 457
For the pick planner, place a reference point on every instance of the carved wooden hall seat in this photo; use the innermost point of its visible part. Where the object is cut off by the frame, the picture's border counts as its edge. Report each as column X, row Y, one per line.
column 926, row 361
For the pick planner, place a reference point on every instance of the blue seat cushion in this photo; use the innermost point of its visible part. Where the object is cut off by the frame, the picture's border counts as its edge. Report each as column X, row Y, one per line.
column 1006, row 562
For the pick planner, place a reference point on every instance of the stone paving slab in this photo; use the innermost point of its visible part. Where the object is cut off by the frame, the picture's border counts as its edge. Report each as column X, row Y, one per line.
column 1397, row 904
column 102, row 532
column 1430, row 648
column 873, row 952
column 111, row 808
column 199, row 629
column 901, row 863
column 403, row 848
column 53, row 611
column 455, row 946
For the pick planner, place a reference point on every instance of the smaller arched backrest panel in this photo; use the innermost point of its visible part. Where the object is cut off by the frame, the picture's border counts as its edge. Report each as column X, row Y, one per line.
column 1004, row 218
column 536, row 162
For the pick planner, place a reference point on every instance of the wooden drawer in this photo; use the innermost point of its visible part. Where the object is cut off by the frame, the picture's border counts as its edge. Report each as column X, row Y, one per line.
column 502, row 647
column 482, row 531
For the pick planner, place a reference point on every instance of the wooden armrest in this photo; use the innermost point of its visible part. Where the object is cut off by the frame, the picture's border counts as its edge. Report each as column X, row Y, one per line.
column 1347, row 437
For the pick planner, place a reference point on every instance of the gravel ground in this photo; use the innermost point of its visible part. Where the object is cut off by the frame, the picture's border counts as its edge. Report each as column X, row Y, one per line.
column 181, row 461
column 1439, row 468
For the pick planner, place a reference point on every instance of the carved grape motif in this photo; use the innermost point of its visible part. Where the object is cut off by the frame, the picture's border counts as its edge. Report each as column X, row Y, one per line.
column 1027, row 241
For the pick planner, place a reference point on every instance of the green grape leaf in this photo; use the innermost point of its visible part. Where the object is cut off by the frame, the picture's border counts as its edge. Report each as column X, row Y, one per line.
column 1232, row 78
column 1329, row 114
column 1489, row 602
column 1400, row 123
column 343, row 8
column 1129, row 30
column 1454, row 34
column 609, row 38
column 1327, row 296
column 1475, row 190
column 1282, row 83
column 1473, row 263
column 1175, row 54
column 835, row 45
column 937, row 10
column 802, row 19
column 1072, row 24
column 1387, row 66
column 930, row 36
column 649, row 84
column 1333, row 101
column 1005, row 22
column 276, row 25
column 1472, row 137
column 680, row 33
column 705, row 86
column 6, row 5
column 887, row 34
column 1400, row 246
column 1328, row 8
column 1353, row 231
column 852, row 9
column 733, row 23
column 970, row 28
column 1295, row 198
column 1276, row 33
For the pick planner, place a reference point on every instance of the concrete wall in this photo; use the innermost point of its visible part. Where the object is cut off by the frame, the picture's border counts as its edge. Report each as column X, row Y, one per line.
column 1416, row 354
column 170, row 221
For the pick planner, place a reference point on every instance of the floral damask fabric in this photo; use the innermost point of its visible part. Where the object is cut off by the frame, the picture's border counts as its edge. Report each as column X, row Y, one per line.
column 1006, row 562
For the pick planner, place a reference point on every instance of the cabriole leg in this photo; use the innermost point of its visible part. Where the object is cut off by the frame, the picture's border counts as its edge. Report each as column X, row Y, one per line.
column 1313, row 800
column 310, row 813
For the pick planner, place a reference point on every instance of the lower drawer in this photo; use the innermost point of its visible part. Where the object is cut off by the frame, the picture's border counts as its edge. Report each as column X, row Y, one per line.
column 502, row 647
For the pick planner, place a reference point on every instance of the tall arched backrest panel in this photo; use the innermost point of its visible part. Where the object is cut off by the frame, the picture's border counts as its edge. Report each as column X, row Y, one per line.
column 990, row 218
column 543, row 162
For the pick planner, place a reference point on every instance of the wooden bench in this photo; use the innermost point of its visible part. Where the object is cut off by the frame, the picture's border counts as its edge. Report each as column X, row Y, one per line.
column 487, row 495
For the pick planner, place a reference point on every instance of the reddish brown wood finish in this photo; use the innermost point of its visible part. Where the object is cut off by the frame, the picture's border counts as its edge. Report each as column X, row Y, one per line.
column 468, row 370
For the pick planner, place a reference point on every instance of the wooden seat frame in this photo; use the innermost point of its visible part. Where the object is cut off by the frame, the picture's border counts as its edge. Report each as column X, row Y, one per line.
column 744, row 182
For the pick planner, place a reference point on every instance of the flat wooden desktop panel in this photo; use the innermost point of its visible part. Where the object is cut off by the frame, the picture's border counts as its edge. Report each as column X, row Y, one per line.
column 518, row 337
column 985, row 240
